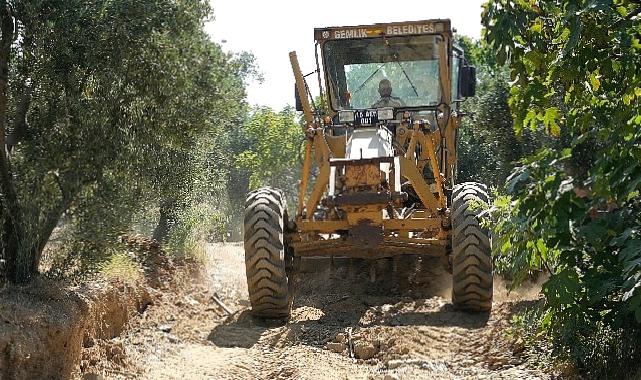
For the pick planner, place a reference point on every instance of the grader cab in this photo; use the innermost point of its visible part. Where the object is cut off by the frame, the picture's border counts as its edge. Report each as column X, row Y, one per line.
column 379, row 172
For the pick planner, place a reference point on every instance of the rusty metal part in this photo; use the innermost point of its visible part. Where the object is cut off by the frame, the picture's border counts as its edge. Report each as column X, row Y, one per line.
column 389, row 225
column 365, row 234
column 362, row 161
column 359, row 176
column 364, row 198
column 388, row 247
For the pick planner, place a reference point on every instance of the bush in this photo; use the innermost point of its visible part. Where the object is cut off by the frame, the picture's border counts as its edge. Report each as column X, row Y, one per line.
column 575, row 205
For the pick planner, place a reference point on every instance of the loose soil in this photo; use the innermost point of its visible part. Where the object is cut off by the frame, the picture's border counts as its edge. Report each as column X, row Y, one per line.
column 400, row 328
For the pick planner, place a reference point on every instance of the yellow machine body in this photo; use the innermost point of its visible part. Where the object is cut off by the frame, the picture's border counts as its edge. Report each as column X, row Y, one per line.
column 373, row 204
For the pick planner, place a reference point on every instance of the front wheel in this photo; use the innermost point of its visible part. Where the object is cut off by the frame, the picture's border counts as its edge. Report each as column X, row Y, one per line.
column 472, row 277
column 266, row 254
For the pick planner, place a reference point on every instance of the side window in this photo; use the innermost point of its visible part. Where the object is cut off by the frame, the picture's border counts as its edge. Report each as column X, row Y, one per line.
column 456, row 64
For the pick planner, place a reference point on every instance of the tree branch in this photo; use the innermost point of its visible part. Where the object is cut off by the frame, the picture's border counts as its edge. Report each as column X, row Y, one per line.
column 51, row 221
column 635, row 12
column 20, row 123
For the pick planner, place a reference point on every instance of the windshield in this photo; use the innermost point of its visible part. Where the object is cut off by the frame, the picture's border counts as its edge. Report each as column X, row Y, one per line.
column 383, row 72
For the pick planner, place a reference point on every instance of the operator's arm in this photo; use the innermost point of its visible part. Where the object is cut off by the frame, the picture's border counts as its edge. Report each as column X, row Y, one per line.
column 378, row 104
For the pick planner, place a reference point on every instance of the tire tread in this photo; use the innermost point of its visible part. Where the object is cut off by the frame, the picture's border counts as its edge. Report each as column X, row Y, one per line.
column 472, row 277
column 267, row 277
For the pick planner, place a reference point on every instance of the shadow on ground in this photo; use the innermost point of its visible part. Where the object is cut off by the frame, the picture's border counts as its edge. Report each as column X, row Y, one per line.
column 241, row 330
column 330, row 300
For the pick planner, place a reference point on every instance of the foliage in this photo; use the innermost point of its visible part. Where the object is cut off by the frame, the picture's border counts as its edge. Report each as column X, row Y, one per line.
column 193, row 226
column 525, row 331
column 576, row 67
column 273, row 151
column 601, row 350
column 121, row 266
column 488, row 146
column 111, row 108
column 266, row 151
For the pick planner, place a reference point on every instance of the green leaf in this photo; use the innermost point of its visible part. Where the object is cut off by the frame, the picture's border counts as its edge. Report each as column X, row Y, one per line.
column 595, row 82
column 529, row 122
column 535, row 57
column 616, row 66
column 574, row 37
column 537, row 26
column 631, row 250
column 542, row 248
column 633, row 295
column 516, row 179
column 619, row 240
column 550, row 120
column 561, row 288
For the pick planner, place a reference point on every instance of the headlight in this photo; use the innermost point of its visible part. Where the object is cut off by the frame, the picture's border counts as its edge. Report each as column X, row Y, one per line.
column 346, row 116
column 385, row 113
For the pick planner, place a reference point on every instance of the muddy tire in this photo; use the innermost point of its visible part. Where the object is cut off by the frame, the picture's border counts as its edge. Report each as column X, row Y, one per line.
column 266, row 254
column 472, row 277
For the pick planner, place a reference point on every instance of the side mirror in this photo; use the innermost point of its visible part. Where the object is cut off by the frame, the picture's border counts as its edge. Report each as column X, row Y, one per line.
column 299, row 104
column 467, row 82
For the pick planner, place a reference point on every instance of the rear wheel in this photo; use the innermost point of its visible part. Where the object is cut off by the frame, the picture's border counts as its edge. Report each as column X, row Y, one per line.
column 266, row 254
column 472, row 277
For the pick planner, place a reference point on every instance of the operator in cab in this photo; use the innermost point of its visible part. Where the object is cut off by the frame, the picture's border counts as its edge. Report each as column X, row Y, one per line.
column 387, row 100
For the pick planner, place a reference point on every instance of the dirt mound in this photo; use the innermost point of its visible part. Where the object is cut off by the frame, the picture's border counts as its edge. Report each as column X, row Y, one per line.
column 48, row 328
column 111, row 306
column 45, row 324
column 404, row 326
column 342, row 326
column 41, row 332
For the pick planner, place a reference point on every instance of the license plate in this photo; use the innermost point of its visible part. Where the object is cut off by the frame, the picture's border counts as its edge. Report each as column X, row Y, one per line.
column 365, row 117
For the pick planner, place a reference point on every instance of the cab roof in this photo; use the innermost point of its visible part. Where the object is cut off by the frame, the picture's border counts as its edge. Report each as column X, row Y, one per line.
column 405, row 28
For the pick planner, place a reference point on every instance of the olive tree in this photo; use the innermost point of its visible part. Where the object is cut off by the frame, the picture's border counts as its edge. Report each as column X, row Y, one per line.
column 106, row 108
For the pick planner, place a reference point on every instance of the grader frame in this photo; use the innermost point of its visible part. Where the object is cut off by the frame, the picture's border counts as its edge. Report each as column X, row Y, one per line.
column 385, row 180
column 432, row 220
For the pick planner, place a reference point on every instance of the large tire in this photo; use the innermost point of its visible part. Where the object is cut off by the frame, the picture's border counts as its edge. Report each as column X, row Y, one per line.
column 266, row 254
column 472, row 277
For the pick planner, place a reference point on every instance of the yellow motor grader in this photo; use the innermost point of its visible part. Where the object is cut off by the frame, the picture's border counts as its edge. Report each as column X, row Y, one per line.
column 379, row 172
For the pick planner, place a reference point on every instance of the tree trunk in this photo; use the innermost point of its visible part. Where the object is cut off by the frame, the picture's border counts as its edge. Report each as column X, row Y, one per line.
column 19, row 256
column 20, row 123
column 165, row 221
column 52, row 219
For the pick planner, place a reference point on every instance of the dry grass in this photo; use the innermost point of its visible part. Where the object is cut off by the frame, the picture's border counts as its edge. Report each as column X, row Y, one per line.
column 121, row 266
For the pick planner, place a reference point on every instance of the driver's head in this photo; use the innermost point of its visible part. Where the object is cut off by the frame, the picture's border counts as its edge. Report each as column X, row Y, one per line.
column 385, row 88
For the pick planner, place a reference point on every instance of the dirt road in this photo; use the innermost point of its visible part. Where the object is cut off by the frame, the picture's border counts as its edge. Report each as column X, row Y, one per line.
column 403, row 331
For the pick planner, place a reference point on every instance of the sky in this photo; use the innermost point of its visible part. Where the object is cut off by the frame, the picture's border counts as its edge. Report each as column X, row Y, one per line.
column 271, row 29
